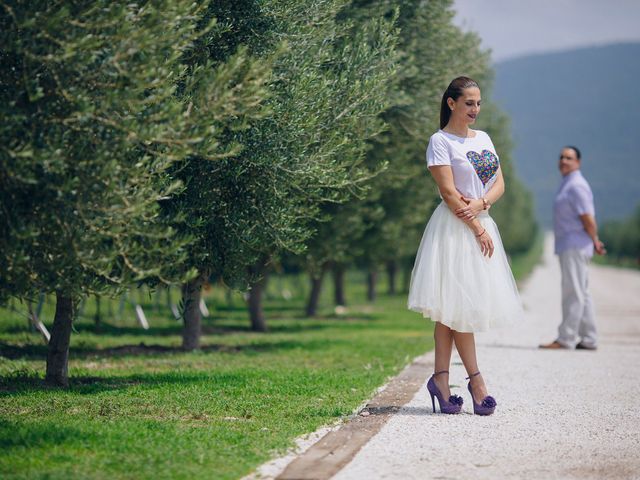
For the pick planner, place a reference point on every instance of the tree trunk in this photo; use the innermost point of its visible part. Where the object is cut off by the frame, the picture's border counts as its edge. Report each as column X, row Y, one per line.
column 372, row 277
column 121, row 305
column 316, row 288
column 406, row 279
column 58, row 352
column 141, row 296
column 392, row 270
column 228, row 295
column 97, row 318
column 258, row 322
column 168, row 297
column 157, row 299
column 338, row 283
column 191, row 294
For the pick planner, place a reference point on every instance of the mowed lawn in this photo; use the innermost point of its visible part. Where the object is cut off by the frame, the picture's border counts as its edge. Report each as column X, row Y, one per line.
column 140, row 408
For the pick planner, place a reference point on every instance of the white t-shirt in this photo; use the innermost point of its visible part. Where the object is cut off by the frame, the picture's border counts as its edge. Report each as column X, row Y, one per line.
column 474, row 161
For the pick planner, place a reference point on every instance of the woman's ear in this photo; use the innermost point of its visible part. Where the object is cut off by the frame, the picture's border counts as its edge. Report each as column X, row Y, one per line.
column 451, row 102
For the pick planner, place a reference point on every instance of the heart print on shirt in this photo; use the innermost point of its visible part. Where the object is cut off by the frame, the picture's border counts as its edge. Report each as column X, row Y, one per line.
column 485, row 164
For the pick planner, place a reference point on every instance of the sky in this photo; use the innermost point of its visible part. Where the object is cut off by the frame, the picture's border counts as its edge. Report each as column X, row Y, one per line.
column 513, row 28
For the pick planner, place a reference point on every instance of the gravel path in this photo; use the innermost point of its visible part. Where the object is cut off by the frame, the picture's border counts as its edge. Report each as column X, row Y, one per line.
column 560, row 414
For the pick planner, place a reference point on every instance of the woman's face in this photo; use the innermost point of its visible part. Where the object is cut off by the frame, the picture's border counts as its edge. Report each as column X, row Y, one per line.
column 467, row 107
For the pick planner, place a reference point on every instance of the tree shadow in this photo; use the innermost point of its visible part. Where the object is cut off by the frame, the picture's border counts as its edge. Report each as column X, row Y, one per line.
column 293, row 325
column 209, row 327
column 88, row 385
column 35, row 435
column 39, row 352
column 274, row 306
column 352, row 315
column 25, row 382
column 106, row 328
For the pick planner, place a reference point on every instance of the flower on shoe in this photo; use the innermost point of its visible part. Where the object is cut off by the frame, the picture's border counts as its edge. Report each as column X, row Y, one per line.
column 489, row 402
column 456, row 400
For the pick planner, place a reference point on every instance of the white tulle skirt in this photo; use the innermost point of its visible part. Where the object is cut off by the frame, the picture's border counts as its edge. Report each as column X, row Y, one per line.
column 453, row 283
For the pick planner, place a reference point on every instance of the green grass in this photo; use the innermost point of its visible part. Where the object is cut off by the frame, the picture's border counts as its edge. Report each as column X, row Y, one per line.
column 152, row 411
column 522, row 263
column 140, row 408
column 612, row 261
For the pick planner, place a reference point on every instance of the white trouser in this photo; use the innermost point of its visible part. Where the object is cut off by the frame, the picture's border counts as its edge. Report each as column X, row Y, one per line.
column 578, row 318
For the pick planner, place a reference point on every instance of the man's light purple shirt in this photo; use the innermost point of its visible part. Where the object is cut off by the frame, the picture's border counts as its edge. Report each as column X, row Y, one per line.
column 574, row 198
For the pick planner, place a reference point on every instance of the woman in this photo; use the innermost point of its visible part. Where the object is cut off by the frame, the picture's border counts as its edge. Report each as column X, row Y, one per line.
column 461, row 278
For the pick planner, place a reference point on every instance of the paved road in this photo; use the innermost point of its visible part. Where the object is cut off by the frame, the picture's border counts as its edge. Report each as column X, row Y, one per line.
column 560, row 414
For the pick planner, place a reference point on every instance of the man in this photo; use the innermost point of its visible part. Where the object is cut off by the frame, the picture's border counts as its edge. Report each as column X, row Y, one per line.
column 576, row 238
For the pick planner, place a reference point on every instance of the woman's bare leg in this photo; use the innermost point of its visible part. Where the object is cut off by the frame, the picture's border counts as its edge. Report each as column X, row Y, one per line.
column 466, row 346
column 443, row 337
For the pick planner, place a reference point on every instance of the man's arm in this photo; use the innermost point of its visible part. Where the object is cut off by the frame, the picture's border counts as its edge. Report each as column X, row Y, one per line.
column 591, row 227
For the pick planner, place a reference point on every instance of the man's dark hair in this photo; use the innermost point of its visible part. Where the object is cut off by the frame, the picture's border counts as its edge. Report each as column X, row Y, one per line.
column 575, row 149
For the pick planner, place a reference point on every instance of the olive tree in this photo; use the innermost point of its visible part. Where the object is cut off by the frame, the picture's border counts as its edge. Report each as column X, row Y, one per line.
column 98, row 106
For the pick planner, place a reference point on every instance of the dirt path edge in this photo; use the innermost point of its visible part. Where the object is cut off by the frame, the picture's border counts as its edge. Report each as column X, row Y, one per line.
column 336, row 448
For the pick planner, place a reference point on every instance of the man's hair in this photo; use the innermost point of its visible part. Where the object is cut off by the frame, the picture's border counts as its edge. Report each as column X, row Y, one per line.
column 575, row 149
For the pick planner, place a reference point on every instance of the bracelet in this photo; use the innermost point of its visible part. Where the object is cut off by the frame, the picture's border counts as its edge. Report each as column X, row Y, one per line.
column 483, row 232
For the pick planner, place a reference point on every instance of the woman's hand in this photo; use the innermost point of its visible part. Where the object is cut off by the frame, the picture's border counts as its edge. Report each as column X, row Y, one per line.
column 486, row 243
column 471, row 210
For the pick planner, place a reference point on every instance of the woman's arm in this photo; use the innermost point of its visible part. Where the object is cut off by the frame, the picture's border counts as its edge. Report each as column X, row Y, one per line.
column 443, row 175
column 497, row 189
column 474, row 206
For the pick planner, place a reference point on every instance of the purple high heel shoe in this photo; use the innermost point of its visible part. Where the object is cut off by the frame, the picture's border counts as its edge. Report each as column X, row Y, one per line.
column 488, row 404
column 454, row 405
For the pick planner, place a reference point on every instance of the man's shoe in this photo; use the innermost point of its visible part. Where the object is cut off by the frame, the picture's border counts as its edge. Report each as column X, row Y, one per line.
column 582, row 346
column 553, row 346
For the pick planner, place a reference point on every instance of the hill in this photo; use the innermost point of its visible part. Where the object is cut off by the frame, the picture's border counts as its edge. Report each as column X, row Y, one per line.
column 588, row 97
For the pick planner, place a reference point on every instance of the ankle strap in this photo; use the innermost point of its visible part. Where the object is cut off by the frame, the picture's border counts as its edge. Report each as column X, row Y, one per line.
column 441, row 371
column 472, row 375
